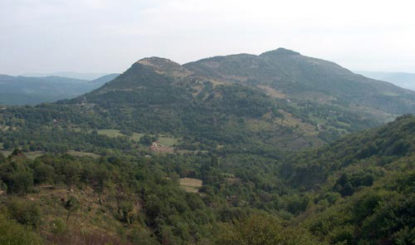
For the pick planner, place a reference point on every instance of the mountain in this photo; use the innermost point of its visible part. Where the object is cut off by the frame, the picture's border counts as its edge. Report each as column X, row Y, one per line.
column 401, row 79
column 258, row 103
column 305, row 78
column 34, row 90
column 299, row 101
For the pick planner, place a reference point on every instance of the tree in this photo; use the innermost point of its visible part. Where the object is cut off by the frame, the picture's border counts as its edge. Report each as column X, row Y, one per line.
column 147, row 139
column 20, row 182
column 43, row 173
column 2, row 158
column 71, row 205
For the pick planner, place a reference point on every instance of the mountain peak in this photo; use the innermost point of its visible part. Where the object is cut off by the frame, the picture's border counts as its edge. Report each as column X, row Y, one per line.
column 157, row 61
column 164, row 66
column 281, row 51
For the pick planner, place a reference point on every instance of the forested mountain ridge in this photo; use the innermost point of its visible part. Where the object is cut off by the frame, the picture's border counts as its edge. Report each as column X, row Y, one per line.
column 279, row 100
column 302, row 77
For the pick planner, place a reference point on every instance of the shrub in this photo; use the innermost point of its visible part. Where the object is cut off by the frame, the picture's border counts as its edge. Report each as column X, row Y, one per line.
column 24, row 212
column 15, row 234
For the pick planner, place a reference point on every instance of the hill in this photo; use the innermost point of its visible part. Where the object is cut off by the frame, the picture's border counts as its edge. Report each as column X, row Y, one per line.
column 22, row 90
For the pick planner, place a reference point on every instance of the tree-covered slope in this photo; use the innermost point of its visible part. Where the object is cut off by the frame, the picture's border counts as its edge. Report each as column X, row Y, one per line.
column 363, row 186
column 374, row 147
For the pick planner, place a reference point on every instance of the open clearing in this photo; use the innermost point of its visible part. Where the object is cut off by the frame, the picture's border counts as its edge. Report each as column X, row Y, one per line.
column 34, row 154
column 83, row 154
column 272, row 92
column 6, row 153
column 112, row 133
column 136, row 136
column 191, row 184
column 164, row 140
column 31, row 154
column 167, row 140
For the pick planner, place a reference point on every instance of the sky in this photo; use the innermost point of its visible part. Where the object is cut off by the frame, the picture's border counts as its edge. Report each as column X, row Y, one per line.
column 105, row 36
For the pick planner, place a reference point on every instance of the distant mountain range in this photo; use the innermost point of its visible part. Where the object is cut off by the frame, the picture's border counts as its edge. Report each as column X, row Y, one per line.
column 77, row 75
column 21, row 90
column 401, row 79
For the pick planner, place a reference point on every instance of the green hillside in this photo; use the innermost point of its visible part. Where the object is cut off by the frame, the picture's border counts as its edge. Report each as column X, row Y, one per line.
column 359, row 190
column 363, row 186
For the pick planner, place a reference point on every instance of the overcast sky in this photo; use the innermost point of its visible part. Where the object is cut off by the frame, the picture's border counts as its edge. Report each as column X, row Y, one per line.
column 109, row 35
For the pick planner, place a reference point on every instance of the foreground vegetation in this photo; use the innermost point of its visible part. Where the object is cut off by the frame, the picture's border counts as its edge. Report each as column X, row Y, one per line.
column 359, row 190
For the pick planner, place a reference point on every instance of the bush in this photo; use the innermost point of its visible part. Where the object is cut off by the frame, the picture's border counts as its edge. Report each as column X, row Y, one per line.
column 20, row 182
column 43, row 173
column 147, row 139
column 58, row 226
column 24, row 212
column 14, row 234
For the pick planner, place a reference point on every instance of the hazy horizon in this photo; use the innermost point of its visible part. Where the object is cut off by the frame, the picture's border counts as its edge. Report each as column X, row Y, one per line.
column 86, row 75
column 107, row 36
